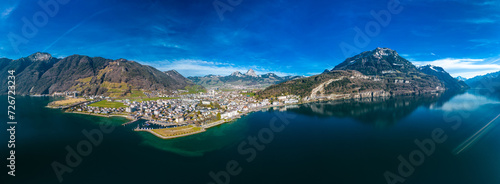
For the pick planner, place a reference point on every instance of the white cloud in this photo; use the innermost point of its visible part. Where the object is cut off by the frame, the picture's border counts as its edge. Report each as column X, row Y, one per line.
column 7, row 12
column 481, row 21
column 483, row 43
column 471, row 74
column 464, row 67
column 192, row 67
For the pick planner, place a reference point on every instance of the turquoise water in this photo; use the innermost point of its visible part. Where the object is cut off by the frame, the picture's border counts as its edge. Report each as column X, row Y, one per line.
column 324, row 142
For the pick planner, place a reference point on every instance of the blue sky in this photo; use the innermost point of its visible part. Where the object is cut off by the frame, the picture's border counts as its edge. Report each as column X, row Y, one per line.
column 286, row 37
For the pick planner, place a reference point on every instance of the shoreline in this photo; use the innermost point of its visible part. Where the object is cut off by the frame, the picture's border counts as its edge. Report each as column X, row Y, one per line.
column 105, row 116
column 168, row 137
column 204, row 127
column 220, row 122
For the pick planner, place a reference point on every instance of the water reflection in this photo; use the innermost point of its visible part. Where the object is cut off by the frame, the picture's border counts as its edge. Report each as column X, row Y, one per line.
column 492, row 94
column 466, row 102
column 380, row 112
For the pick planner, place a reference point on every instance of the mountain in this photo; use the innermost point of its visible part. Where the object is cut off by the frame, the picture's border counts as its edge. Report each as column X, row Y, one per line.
column 181, row 80
column 380, row 72
column 460, row 78
column 251, row 73
column 40, row 73
column 449, row 82
column 292, row 77
column 489, row 81
column 237, row 74
column 237, row 80
column 378, row 62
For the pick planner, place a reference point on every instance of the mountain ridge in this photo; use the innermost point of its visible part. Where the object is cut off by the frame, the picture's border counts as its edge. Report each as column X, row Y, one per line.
column 40, row 73
column 377, row 62
column 448, row 81
column 375, row 73
column 490, row 81
column 238, row 80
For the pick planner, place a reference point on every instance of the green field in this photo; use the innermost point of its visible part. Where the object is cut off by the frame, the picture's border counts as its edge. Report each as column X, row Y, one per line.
column 155, row 98
column 136, row 93
column 147, row 99
column 105, row 103
column 248, row 94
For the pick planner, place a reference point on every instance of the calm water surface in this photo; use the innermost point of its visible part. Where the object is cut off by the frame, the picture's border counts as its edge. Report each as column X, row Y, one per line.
column 327, row 142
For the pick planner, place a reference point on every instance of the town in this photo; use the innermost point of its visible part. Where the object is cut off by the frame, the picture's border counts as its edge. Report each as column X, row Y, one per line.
column 178, row 114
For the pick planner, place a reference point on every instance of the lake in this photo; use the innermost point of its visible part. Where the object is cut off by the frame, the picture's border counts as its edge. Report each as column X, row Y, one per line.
column 445, row 138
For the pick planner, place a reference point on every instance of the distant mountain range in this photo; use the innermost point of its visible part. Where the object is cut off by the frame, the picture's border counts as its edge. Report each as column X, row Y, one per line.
column 489, row 81
column 460, row 78
column 238, row 80
column 40, row 73
column 449, row 82
column 380, row 72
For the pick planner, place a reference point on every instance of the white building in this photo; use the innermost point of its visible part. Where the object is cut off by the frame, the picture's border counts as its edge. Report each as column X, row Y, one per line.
column 131, row 109
column 228, row 115
column 281, row 98
column 179, row 120
column 291, row 101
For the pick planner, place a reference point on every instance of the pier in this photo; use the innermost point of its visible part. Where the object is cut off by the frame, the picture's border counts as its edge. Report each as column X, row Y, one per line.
column 168, row 137
column 219, row 122
column 130, row 122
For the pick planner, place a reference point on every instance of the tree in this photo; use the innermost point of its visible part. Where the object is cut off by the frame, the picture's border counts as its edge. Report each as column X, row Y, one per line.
column 216, row 105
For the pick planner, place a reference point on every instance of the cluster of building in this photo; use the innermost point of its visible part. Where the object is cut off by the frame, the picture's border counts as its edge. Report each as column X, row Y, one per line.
column 190, row 109
column 100, row 110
